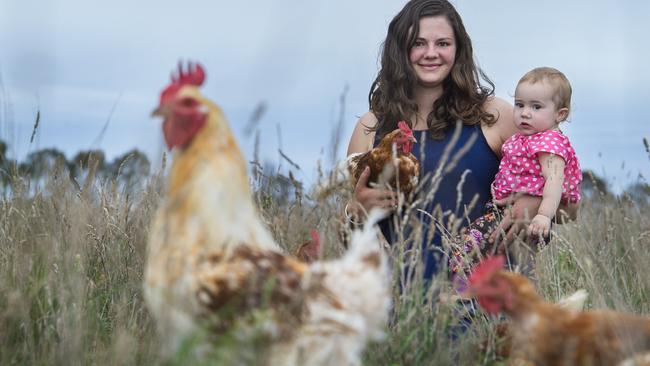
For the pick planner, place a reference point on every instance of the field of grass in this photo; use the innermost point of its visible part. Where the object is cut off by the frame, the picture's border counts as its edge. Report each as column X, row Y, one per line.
column 71, row 266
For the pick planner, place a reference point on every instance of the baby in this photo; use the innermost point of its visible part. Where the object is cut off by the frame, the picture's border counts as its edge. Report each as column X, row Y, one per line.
column 538, row 160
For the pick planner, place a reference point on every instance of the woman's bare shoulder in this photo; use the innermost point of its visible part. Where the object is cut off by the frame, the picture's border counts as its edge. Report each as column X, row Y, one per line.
column 504, row 126
column 498, row 105
column 362, row 138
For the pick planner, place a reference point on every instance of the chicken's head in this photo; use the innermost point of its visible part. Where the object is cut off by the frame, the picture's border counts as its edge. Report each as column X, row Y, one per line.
column 404, row 138
column 492, row 290
column 311, row 250
column 183, row 112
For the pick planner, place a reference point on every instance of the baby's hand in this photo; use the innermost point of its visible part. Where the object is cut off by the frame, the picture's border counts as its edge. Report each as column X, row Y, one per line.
column 540, row 225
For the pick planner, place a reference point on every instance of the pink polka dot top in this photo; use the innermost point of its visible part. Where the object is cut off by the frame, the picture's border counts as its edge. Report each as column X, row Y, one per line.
column 520, row 172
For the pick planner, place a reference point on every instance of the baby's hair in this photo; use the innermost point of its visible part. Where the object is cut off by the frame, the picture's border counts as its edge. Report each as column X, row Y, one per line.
column 559, row 82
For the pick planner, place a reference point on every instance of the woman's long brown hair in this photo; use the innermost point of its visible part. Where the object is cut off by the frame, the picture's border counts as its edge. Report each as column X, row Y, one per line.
column 391, row 94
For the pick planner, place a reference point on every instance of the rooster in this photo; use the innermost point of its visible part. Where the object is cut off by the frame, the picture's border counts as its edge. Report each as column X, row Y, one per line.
column 548, row 334
column 393, row 150
column 212, row 266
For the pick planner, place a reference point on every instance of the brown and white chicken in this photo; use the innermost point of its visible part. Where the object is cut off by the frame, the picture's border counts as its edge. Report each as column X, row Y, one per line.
column 391, row 161
column 213, row 266
column 544, row 333
column 391, row 164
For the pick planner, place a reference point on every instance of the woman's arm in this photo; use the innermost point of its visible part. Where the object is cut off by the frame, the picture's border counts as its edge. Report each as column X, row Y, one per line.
column 503, row 128
column 516, row 219
column 362, row 139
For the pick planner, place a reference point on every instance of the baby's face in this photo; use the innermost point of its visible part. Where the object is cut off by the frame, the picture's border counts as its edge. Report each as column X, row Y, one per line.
column 535, row 111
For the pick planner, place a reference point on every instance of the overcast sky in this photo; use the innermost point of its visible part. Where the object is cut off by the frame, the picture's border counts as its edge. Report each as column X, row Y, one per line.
column 83, row 63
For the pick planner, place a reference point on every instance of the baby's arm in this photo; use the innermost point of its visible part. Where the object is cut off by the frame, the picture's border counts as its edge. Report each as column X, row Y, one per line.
column 553, row 171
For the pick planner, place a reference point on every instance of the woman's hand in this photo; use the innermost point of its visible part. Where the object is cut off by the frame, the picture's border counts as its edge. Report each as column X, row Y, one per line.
column 366, row 198
column 516, row 219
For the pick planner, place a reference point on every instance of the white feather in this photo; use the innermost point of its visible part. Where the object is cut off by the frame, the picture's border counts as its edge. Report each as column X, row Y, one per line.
column 337, row 335
column 574, row 302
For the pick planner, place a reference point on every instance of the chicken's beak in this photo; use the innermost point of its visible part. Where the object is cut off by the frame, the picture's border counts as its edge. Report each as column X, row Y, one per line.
column 161, row 111
column 413, row 139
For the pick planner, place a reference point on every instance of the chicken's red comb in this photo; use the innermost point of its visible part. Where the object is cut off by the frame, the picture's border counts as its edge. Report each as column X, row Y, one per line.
column 488, row 267
column 315, row 237
column 402, row 125
column 193, row 76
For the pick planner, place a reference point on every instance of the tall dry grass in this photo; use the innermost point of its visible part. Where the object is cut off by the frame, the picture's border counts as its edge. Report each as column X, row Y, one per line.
column 71, row 272
column 71, row 266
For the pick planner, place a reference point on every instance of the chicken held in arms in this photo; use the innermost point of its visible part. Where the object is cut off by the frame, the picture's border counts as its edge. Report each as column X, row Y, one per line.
column 213, row 267
column 391, row 161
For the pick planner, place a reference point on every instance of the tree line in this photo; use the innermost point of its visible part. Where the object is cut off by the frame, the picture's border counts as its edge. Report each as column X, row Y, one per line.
column 131, row 169
column 128, row 170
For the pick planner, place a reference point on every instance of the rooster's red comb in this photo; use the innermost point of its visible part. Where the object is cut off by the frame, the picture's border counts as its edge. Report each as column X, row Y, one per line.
column 194, row 75
column 486, row 269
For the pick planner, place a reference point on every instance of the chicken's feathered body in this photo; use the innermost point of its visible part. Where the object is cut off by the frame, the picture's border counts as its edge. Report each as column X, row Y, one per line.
column 548, row 334
column 212, row 263
column 391, row 161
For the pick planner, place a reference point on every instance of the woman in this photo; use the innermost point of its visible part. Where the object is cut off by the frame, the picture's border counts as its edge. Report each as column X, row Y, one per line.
column 428, row 78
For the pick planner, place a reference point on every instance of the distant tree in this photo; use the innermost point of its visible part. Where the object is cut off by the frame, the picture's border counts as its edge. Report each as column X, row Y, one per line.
column 592, row 184
column 4, row 166
column 39, row 164
column 3, row 152
column 130, row 169
column 86, row 166
column 638, row 192
column 9, row 168
column 273, row 186
column 82, row 161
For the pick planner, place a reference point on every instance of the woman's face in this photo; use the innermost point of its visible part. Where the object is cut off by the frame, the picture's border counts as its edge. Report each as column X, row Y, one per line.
column 434, row 52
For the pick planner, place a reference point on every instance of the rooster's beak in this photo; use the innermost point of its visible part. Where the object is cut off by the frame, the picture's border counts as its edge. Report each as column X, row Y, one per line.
column 413, row 139
column 161, row 111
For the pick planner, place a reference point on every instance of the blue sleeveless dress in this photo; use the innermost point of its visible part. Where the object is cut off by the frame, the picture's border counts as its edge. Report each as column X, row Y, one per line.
column 476, row 168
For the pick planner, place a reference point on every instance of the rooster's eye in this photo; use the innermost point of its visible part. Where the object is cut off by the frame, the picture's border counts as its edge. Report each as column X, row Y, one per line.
column 188, row 102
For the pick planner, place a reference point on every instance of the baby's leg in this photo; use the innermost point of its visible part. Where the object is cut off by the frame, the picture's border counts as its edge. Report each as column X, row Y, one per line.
column 471, row 246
